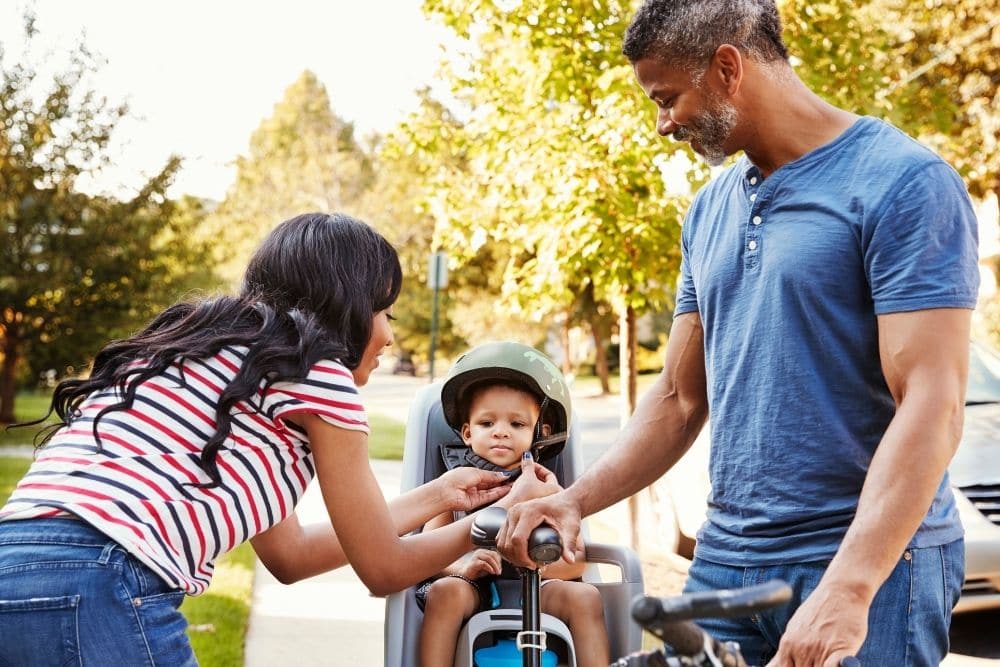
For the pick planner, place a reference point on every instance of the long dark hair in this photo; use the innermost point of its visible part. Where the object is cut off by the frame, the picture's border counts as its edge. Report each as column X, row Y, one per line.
column 309, row 293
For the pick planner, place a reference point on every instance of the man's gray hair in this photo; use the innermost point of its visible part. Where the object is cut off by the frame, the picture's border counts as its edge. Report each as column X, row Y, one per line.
column 688, row 32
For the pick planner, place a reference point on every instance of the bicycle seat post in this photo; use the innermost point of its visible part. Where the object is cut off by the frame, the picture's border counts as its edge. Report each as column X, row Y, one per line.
column 531, row 619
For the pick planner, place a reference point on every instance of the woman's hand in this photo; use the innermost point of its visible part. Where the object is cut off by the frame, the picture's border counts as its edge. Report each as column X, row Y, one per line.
column 480, row 563
column 535, row 481
column 465, row 489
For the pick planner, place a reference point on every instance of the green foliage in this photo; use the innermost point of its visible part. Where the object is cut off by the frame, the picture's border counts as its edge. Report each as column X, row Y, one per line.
column 928, row 66
column 302, row 158
column 561, row 183
column 414, row 155
column 948, row 51
column 76, row 269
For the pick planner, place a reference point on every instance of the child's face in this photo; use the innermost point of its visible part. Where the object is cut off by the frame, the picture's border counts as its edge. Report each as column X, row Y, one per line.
column 501, row 425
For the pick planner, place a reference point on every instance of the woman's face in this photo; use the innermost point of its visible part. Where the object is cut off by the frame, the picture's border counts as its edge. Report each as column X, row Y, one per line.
column 380, row 340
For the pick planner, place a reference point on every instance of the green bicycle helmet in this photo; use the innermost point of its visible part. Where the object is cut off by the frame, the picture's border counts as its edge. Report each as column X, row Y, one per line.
column 521, row 365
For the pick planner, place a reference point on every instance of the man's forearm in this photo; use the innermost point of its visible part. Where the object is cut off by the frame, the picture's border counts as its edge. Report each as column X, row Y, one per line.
column 666, row 422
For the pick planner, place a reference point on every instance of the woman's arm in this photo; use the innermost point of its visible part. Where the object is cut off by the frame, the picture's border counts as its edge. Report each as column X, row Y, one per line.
column 364, row 525
column 292, row 552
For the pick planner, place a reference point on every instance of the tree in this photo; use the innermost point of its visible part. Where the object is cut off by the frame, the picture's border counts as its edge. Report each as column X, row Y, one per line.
column 416, row 153
column 928, row 67
column 302, row 158
column 561, row 159
column 563, row 167
column 75, row 269
column 948, row 51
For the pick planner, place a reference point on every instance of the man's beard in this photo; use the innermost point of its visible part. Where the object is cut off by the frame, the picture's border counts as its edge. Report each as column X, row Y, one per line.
column 710, row 129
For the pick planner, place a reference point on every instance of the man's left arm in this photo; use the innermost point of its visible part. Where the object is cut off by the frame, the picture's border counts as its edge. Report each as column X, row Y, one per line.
column 925, row 357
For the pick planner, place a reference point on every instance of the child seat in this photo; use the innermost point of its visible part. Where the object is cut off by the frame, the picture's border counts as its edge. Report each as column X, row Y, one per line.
column 426, row 430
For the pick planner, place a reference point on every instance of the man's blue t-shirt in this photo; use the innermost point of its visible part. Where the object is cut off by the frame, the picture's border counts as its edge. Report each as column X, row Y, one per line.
column 788, row 274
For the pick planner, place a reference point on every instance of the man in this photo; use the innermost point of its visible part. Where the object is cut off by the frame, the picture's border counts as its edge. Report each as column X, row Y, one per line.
column 823, row 319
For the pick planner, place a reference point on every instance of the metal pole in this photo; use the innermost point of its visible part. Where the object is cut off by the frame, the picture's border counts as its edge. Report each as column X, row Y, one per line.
column 531, row 618
column 434, row 326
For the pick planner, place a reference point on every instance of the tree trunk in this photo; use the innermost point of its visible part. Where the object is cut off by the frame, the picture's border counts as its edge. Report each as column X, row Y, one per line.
column 601, row 358
column 8, row 375
column 567, row 359
column 626, row 371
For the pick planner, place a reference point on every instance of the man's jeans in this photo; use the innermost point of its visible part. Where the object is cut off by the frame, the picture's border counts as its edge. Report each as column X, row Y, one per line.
column 70, row 596
column 907, row 624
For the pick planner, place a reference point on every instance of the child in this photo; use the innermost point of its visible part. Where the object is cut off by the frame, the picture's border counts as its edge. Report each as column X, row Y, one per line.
column 505, row 399
column 201, row 432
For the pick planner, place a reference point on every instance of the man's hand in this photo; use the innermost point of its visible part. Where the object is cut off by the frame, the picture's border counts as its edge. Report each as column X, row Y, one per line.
column 535, row 481
column 479, row 563
column 557, row 510
column 465, row 489
column 830, row 625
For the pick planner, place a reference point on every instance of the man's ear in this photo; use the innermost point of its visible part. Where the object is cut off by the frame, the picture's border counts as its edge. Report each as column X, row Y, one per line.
column 466, row 433
column 727, row 69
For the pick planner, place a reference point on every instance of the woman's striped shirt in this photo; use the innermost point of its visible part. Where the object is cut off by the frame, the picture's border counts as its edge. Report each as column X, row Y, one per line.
column 139, row 486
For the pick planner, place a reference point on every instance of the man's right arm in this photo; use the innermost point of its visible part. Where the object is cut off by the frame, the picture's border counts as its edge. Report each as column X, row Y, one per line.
column 666, row 422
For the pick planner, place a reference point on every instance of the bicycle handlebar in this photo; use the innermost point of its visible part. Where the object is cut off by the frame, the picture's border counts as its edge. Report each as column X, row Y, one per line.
column 728, row 603
column 669, row 619
column 544, row 544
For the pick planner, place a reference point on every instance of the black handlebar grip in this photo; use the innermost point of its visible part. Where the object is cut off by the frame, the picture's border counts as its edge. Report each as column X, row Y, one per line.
column 544, row 545
column 486, row 526
column 685, row 637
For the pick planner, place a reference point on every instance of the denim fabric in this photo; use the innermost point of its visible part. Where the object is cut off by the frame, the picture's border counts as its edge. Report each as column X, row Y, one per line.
column 69, row 596
column 907, row 624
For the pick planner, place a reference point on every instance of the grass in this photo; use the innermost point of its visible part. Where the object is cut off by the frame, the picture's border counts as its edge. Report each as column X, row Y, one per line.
column 386, row 439
column 590, row 385
column 11, row 471
column 27, row 407
column 217, row 619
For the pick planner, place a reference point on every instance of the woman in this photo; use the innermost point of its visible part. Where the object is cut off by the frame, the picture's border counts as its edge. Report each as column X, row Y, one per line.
column 202, row 431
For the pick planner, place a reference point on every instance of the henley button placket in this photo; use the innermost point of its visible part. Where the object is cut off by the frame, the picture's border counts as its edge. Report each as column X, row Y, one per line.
column 752, row 236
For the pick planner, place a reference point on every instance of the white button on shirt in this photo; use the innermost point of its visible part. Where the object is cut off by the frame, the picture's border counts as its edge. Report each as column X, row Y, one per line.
column 753, row 197
column 753, row 181
column 757, row 220
column 752, row 245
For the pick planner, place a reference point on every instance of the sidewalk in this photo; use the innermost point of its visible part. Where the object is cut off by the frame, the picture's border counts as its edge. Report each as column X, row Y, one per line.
column 328, row 620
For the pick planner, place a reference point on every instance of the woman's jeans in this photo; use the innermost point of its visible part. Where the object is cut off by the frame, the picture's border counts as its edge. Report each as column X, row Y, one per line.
column 907, row 624
column 70, row 596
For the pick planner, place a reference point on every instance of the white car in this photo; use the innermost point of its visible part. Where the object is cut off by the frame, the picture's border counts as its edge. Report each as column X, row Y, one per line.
column 975, row 479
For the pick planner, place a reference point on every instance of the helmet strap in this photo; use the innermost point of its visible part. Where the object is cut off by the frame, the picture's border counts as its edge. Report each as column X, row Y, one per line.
column 541, row 421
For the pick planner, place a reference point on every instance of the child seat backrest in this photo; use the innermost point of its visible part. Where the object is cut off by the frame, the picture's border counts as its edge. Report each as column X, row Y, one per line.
column 426, row 430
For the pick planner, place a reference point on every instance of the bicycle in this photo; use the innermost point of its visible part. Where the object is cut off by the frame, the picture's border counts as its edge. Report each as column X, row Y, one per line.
column 667, row 618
